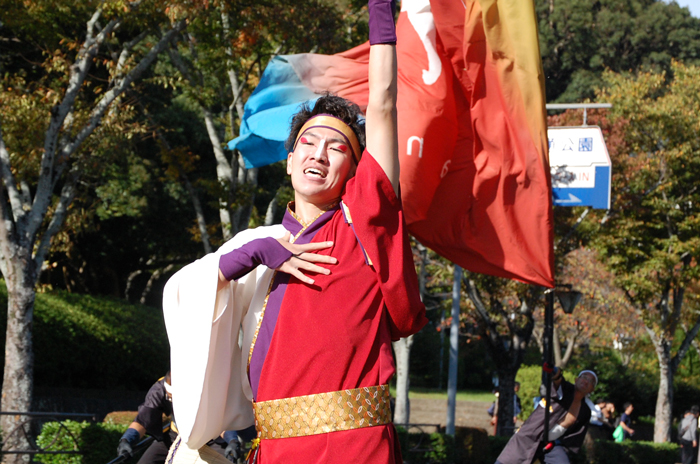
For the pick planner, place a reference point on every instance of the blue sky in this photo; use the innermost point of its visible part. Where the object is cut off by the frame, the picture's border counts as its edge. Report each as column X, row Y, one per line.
column 693, row 5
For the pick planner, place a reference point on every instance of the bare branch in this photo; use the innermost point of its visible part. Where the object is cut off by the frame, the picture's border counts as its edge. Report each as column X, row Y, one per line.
column 687, row 341
column 57, row 219
column 78, row 73
column 155, row 276
column 272, row 209
column 25, row 191
column 475, row 297
column 179, row 63
column 6, row 235
column 43, row 195
column 16, row 199
column 126, row 50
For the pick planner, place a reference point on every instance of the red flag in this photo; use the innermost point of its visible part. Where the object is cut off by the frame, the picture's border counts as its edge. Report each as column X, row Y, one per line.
column 472, row 136
column 472, row 133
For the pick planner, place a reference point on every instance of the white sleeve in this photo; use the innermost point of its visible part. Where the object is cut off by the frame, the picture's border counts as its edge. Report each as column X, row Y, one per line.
column 210, row 391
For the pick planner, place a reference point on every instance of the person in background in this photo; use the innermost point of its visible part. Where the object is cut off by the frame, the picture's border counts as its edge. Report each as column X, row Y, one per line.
column 609, row 414
column 493, row 411
column 158, row 403
column 626, row 420
column 601, row 426
column 517, row 405
column 688, row 434
column 569, row 419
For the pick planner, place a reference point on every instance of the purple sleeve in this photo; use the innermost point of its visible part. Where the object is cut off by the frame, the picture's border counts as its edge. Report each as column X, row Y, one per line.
column 241, row 261
column 382, row 29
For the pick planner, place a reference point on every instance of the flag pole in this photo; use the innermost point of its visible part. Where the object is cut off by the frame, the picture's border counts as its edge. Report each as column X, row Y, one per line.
column 548, row 362
column 454, row 345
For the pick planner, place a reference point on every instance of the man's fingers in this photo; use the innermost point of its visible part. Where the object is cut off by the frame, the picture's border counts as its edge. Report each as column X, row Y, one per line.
column 298, row 268
column 310, row 267
column 313, row 246
column 299, row 275
column 316, row 258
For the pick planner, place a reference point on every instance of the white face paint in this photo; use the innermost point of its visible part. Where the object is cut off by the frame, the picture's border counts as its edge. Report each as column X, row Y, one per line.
column 421, row 18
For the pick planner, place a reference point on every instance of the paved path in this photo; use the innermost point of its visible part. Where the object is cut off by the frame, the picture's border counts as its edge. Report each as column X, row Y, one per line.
column 467, row 414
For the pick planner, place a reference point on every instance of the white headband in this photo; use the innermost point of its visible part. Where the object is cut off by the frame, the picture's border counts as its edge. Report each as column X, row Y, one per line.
column 592, row 373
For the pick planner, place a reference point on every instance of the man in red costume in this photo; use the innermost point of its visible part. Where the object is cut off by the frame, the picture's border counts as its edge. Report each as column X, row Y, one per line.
column 302, row 315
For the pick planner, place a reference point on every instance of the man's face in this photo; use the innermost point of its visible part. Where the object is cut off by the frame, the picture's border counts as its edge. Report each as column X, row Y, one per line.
column 320, row 166
column 585, row 383
column 629, row 409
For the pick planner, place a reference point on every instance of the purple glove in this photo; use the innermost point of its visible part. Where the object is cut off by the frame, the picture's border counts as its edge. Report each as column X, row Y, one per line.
column 241, row 261
column 382, row 29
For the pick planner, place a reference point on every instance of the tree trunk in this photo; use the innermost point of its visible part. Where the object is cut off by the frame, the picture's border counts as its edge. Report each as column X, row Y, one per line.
column 506, row 406
column 664, row 398
column 506, row 350
column 402, row 350
column 18, row 379
column 556, row 348
column 224, row 174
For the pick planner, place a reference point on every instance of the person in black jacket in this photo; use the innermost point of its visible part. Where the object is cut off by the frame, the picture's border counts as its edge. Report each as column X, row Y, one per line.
column 568, row 422
column 158, row 403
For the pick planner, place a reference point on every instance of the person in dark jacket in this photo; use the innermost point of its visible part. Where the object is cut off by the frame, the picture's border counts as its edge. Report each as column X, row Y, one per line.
column 688, row 434
column 158, row 403
column 568, row 422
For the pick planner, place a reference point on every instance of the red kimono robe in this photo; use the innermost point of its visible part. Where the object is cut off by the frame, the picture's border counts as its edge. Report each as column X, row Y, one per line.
column 337, row 334
column 267, row 336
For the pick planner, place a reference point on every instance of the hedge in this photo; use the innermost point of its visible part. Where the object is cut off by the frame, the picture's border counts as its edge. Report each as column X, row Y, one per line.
column 97, row 442
column 473, row 446
column 634, row 452
column 83, row 341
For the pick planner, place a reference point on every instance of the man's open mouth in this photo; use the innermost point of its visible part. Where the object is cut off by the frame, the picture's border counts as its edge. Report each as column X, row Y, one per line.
column 315, row 172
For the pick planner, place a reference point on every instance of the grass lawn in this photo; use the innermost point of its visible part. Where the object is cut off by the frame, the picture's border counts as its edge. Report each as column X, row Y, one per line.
column 462, row 395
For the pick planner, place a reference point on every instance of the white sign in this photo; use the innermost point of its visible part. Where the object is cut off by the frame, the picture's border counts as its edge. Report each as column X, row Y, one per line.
column 580, row 166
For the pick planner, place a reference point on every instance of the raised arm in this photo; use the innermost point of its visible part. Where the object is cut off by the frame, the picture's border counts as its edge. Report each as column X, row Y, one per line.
column 381, row 126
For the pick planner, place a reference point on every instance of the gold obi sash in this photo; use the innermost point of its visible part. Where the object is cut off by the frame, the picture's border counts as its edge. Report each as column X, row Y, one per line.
column 301, row 416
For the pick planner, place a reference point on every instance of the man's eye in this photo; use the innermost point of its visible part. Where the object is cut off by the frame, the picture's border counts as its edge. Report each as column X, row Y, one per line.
column 305, row 141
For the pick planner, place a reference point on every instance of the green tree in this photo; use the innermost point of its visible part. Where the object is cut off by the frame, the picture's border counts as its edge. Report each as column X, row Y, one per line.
column 650, row 239
column 218, row 65
column 579, row 39
column 67, row 65
column 602, row 319
column 505, row 311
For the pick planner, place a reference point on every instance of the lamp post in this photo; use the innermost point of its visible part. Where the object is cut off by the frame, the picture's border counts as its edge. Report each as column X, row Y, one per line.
column 568, row 299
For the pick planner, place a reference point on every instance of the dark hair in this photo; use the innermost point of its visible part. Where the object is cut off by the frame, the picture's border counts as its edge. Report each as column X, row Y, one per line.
column 695, row 409
column 343, row 109
column 627, row 405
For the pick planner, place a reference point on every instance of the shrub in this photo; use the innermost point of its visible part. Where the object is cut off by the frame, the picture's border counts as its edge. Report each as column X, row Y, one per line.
column 469, row 446
column 634, row 452
column 82, row 341
column 60, row 436
column 472, row 446
column 530, row 378
column 424, row 448
column 97, row 442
